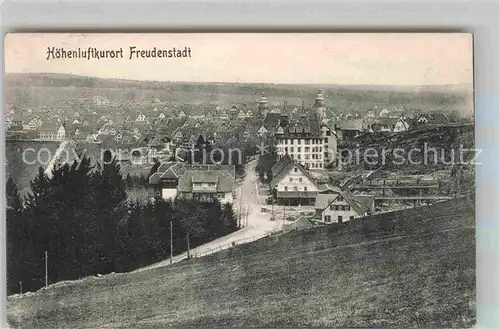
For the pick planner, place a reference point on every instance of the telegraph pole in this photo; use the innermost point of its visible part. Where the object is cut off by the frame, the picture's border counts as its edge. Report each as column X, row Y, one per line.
column 284, row 214
column 187, row 237
column 171, row 242
column 46, row 270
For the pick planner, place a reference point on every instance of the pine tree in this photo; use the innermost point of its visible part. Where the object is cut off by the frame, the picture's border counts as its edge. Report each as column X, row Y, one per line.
column 16, row 235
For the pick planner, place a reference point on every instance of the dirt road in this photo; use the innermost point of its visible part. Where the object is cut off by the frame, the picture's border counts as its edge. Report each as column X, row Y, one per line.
column 257, row 224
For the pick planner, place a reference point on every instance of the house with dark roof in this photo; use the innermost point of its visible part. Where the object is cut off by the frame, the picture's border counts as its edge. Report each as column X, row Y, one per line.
column 269, row 125
column 198, row 181
column 337, row 206
column 432, row 118
column 291, row 183
column 51, row 131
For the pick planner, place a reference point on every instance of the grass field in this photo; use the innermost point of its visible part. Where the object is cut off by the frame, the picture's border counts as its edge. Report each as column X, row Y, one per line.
column 409, row 268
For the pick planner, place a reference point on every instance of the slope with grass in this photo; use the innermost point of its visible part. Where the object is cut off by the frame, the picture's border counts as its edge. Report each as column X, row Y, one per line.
column 408, row 268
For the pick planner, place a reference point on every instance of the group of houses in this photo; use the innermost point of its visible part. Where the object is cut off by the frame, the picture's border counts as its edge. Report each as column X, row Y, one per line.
column 194, row 181
column 292, row 184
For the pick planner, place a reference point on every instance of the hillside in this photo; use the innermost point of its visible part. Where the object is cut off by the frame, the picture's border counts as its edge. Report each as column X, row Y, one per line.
column 408, row 268
column 411, row 150
column 50, row 89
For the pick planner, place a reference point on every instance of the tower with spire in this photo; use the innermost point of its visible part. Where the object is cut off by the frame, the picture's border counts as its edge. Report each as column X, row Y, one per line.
column 262, row 106
column 319, row 105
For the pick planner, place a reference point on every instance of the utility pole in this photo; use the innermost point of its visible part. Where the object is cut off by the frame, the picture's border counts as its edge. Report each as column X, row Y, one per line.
column 284, row 214
column 187, row 237
column 46, row 270
column 171, row 242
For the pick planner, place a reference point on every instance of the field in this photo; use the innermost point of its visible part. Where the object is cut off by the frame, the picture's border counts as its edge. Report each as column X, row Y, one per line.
column 413, row 268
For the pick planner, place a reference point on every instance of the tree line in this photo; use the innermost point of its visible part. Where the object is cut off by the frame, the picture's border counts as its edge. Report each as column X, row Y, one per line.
column 81, row 217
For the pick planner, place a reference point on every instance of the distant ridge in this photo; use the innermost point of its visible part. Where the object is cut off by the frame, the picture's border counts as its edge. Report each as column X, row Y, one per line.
column 50, row 79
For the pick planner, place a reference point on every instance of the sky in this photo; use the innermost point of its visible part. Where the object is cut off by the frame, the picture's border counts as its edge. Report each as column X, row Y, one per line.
column 318, row 58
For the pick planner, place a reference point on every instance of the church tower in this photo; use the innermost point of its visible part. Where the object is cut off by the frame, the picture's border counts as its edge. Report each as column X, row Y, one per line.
column 319, row 105
column 262, row 106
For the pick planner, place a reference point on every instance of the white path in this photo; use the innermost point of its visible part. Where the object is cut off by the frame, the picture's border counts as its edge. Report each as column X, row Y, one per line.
column 55, row 158
column 258, row 223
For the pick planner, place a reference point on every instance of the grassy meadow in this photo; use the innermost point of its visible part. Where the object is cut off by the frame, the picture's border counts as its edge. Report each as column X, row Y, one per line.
column 411, row 268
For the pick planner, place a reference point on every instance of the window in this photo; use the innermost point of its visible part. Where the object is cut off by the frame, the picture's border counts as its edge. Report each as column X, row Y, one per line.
column 328, row 218
column 286, row 149
column 326, row 140
column 290, row 179
column 348, row 207
column 295, row 169
column 307, row 142
column 339, row 219
column 306, row 156
column 295, row 188
column 286, row 188
column 305, row 188
column 300, row 179
column 352, row 217
column 328, row 133
column 299, row 149
column 291, row 149
column 306, row 149
column 339, row 198
column 298, row 156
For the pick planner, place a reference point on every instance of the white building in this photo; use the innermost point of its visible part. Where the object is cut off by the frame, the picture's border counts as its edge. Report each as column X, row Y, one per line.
column 201, row 182
column 335, row 206
column 307, row 138
column 291, row 183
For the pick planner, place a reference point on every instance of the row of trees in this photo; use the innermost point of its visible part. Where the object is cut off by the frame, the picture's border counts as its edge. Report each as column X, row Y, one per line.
column 264, row 166
column 80, row 216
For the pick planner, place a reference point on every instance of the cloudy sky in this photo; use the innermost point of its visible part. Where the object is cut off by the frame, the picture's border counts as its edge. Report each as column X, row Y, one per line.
column 322, row 58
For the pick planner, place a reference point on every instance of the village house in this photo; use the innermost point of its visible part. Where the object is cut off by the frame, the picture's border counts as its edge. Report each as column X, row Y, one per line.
column 401, row 124
column 387, row 124
column 200, row 182
column 432, row 118
column 34, row 124
column 269, row 125
column 291, row 183
column 336, row 206
column 50, row 131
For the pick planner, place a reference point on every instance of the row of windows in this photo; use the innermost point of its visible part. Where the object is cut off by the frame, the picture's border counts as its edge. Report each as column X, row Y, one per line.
column 306, row 156
column 340, row 207
column 291, row 178
column 315, row 165
column 304, row 141
column 316, row 149
column 306, row 149
column 328, row 218
column 204, row 184
column 296, row 188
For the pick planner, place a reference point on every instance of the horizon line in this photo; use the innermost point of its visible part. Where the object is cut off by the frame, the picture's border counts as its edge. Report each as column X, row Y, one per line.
column 240, row 82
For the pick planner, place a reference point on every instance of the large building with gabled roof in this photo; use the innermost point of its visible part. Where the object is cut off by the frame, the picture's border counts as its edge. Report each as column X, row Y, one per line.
column 291, row 183
column 337, row 206
column 198, row 181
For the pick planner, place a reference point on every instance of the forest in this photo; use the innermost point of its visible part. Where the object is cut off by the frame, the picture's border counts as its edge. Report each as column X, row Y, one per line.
column 81, row 217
